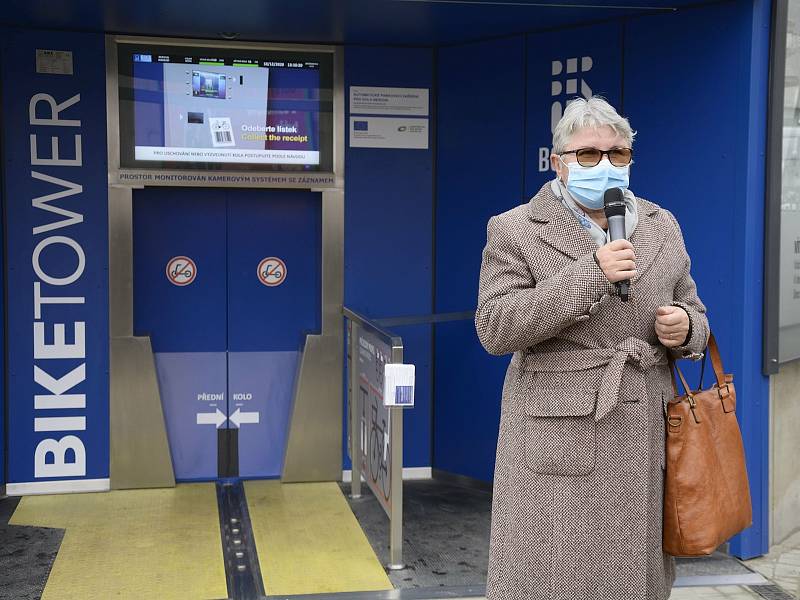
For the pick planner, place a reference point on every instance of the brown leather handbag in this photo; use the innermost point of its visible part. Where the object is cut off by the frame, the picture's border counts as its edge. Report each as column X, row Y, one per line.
column 706, row 493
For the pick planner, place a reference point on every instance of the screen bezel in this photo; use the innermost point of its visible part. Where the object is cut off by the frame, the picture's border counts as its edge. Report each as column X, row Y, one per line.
column 123, row 67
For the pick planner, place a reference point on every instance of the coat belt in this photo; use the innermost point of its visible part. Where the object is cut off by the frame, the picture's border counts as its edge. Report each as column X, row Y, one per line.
column 634, row 350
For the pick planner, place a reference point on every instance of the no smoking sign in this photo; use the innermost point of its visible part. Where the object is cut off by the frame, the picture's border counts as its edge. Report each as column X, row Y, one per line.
column 181, row 270
column 272, row 271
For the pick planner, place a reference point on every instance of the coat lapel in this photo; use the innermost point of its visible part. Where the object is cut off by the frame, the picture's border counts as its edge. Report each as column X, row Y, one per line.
column 562, row 230
column 647, row 238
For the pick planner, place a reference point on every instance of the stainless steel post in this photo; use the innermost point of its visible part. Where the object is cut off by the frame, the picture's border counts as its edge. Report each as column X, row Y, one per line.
column 396, row 518
column 354, row 406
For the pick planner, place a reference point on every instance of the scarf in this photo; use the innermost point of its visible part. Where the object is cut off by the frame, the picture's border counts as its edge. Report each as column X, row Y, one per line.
column 598, row 235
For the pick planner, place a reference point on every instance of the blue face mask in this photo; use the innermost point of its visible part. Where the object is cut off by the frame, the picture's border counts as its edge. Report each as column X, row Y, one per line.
column 588, row 184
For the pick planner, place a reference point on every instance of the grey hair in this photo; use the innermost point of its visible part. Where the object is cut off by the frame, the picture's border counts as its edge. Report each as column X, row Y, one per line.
column 594, row 112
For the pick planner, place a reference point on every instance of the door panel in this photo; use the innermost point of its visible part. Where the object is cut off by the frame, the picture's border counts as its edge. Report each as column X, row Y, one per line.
column 262, row 387
column 193, row 394
column 186, row 322
column 226, row 334
column 273, row 223
column 267, row 323
column 168, row 223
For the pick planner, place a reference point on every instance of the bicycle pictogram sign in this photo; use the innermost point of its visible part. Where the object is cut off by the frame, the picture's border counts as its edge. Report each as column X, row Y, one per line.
column 272, row 271
column 181, row 270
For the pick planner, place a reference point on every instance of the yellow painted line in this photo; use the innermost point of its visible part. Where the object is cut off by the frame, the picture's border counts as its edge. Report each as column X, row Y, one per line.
column 309, row 541
column 137, row 544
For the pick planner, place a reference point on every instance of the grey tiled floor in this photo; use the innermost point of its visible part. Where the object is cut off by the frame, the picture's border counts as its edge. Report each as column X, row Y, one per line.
column 781, row 565
column 722, row 592
column 446, row 538
column 718, row 592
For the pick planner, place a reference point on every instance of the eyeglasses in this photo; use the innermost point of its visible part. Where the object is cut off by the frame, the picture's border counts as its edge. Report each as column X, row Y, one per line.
column 589, row 157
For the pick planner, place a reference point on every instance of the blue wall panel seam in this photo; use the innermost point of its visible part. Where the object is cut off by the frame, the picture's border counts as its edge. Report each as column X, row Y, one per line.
column 3, row 286
column 434, row 108
column 525, row 78
column 756, row 542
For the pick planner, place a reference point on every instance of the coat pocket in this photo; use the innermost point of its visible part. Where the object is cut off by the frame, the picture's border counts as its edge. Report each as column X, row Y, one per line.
column 560, row 433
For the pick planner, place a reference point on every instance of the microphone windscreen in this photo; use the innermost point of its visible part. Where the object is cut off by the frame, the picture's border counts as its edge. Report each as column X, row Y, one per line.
column 613, row 203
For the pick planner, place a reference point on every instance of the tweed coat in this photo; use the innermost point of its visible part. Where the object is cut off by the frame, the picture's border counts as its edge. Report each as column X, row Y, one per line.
column 578, row 482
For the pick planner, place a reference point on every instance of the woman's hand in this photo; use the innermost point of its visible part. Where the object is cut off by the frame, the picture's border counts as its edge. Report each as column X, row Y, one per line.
column 672, row 325
column 617, row 260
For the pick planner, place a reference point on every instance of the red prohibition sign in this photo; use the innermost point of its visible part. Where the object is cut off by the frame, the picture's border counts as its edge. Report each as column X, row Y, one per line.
column 181, row 270
column 272, row 271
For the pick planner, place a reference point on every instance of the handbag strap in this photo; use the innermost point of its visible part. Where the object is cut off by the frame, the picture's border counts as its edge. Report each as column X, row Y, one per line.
column 716, row 362
column 673, row 366
column 702, row 371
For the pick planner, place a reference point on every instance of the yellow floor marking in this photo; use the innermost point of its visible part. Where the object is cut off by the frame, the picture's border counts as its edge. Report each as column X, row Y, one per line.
column 138, row 544
column 309, row 541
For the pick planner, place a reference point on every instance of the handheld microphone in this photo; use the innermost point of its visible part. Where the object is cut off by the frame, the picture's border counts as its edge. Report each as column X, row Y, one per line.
column 614, row 206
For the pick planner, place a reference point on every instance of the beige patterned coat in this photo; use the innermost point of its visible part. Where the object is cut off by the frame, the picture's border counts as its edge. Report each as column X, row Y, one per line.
column 577, row 505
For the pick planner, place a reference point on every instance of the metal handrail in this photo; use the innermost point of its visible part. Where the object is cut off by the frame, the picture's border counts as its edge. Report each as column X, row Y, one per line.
column 464, row 315
column 374, row 326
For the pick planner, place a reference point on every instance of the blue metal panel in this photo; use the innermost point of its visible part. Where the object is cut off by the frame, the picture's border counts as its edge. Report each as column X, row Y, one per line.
column 267, row 324
column 352, row 22
column 261, row 388
column 226, row 342
column 73, row 260
column 171, row 222
column 388, row 228
column 194, row 397
column 187, row 323
column 480, row 168
column 587, row 61
column 2, row 329
column 273, row 223
column 703, row 159
column 468, row 384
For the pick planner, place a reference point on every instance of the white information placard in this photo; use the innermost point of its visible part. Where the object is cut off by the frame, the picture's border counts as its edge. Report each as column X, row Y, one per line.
column 388, row 132
column 367, row 100
column 398, row 385
column 54, row 62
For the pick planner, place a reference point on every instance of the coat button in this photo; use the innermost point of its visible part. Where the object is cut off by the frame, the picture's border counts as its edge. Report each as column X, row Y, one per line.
column 580, row 318
column 594, row 308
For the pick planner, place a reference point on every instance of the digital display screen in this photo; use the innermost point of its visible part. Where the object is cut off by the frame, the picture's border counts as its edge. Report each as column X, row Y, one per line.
column 185, row 107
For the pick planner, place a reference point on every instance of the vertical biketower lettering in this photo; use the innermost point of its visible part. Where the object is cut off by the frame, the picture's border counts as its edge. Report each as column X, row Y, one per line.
column 58, row 262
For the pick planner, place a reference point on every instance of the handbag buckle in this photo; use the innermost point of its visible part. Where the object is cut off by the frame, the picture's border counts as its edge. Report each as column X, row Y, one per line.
column 674, row 421
column 727, row 391
column 692, row 405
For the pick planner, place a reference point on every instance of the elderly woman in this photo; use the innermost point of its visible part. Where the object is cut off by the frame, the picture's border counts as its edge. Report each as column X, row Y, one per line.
column 578, row 483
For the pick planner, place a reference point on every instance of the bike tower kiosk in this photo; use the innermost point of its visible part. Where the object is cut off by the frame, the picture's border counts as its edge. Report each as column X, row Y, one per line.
column 214, row 246
column 226, row 212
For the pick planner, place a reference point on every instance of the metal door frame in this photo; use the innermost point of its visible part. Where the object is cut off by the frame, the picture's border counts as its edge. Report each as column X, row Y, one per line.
column 317, row 409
